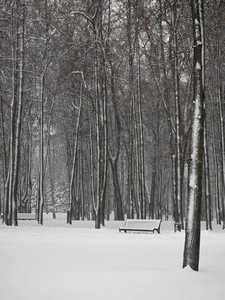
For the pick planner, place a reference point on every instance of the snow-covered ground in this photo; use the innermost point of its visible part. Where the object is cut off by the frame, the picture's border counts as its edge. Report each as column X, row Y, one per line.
column 59, row 261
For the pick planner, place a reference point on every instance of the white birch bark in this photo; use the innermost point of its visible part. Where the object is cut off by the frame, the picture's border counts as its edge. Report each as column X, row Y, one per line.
column 192, row 230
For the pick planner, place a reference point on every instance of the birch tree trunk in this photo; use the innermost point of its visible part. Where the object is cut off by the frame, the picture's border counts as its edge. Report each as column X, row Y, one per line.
column 192, row 230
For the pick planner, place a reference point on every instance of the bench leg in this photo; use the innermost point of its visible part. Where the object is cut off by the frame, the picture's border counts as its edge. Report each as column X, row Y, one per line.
column 122, row 230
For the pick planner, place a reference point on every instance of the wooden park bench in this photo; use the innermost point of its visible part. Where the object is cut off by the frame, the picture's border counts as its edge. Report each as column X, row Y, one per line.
column 140, row 225
column 26, row 216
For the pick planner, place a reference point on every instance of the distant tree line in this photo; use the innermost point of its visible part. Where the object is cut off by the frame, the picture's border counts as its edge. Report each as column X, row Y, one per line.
column 96, row 109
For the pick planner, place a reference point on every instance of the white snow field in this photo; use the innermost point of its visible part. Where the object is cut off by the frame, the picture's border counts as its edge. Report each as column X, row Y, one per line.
column 59, row 261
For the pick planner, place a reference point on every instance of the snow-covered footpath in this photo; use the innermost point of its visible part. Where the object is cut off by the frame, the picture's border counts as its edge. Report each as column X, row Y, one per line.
column 59, row 261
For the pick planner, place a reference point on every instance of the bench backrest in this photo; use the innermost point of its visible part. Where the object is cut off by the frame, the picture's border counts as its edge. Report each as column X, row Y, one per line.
column 142, row 223
column 26, row 216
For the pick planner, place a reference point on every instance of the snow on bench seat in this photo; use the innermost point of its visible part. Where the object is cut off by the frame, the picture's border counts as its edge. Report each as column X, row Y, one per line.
column 26, row 216
column 141, row 225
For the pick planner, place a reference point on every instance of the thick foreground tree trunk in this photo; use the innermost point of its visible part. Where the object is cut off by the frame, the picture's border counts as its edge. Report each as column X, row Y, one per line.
column 192, row 231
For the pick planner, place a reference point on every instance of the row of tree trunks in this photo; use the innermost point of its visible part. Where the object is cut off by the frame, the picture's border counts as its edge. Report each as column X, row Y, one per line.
column 124, row 61
column 11, row 184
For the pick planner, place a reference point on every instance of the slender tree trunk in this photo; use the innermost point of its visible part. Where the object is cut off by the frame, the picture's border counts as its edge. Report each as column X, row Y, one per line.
column 216, row 172
column 222, row 140
column 140, row 148
column 130, row 151
column 97, row 203
column 41, row 155
column 152, row 195
column 207, row 184
column 177, row 169
column 93, row 190
column 74, row 163
column 21, row 7
column 52, row 177
column 114, row 159
column 4, row 167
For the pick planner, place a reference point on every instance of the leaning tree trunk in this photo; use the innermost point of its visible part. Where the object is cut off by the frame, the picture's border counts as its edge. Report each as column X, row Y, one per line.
column 192, row 230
